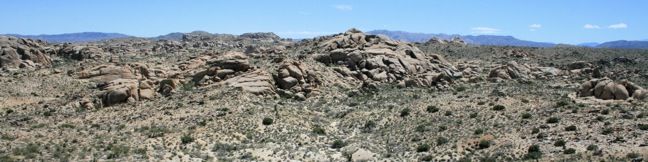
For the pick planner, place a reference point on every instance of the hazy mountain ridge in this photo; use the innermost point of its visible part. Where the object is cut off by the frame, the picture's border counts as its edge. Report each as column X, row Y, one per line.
column 624, row 44
column 479, row 40
column 73, row 37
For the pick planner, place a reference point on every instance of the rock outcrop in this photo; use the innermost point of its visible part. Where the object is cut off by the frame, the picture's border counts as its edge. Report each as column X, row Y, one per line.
column 294, row 78
column 372, row 58
column 607, row 89
column 125, row 90
column 513, row 70
column 23, row 53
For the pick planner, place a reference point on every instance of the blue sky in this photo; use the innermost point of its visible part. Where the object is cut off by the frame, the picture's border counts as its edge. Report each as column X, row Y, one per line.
column 562, row 21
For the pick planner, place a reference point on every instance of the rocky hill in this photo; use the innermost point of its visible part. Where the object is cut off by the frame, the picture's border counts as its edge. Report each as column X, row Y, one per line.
column 350, row 96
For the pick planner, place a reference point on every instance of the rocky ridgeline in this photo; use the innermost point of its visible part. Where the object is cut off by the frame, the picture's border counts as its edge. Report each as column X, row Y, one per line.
column 378, row 59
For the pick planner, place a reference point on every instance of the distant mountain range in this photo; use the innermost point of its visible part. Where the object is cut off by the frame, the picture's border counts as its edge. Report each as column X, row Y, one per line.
column 74, row 37
column 624, row 44
column 503, row 40
column 470, row 39
column 397, row 35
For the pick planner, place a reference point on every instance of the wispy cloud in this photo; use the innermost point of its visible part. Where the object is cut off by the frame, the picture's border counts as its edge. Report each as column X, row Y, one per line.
column 484, row 30
column 534, row 27
column 343, row 7
column 618, row 26
column 590, row 26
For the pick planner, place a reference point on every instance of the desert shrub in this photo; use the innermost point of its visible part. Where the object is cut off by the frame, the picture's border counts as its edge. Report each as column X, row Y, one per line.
column 560, row 143
column 186, row 139
column 29, row 151
column 224, row 147
column 526, row 115
column 319, row 130
column 405, row 112
column 632, row 155
column 643, row 126
column 155, row 131
column 427, row 158
column 432, row 109
column 499, row 107
column 461, row 88
column 484, row 144
column 569, row 151
column 553, row 120
column 189, row 86
column 267, row 121
column 473, row 115
column 442, row 128
column 338, row 144
column 421, row 128
column 533, row 152
column 423, row 148
column 607, row 131
column 448, row 113
column 562, row 103
column 535, row 130
column 117, row 151
column 592, row 147
column 66, row 125
column 441, row 140
column 571, row 128
column 479, row 131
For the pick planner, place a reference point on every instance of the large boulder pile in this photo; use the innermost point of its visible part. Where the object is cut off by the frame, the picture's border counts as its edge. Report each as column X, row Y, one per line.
column 372, row 58
column 23, row 53
column 125, row 90
column 78, row 52
column 121, row 83
column 234, row 70
column 294, row 78
column 607, row 89
column 513, row 70
column 222, row 67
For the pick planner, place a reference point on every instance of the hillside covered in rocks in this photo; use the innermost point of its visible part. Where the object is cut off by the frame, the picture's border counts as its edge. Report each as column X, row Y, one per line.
column 344, row 97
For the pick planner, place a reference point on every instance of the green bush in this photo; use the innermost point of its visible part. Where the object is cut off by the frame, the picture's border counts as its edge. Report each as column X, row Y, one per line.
column 441, row 140
column 479, row 131
column 526, row 115
column 405, row 112
column 553, row 120
column 643, row 126
column 569, row 151
column 533, row 152
column 499, row 107
column 571, row 128
column 592, row 147
column 484, row 144
column 432, row 109
column 560, row 143
column 267, row 121
column 423, row 148
column 338, row 144
column 319, row 130
column 448, row 113
column 186, row 139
